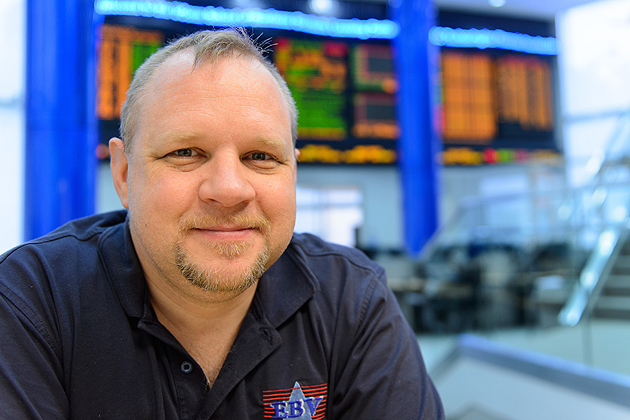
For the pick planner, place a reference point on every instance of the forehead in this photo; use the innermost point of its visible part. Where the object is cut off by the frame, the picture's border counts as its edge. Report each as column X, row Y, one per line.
column 240, row 84
column 225, row 75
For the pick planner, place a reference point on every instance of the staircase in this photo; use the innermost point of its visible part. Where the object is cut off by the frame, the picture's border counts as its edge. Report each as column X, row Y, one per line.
column 614, row 299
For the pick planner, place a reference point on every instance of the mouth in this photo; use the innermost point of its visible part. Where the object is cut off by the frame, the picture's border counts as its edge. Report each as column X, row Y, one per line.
column 227, row 226
column 232, row 233
column 224, row 228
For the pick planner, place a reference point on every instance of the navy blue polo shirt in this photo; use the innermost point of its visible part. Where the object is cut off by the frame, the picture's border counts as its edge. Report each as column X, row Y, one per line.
column 323, row 338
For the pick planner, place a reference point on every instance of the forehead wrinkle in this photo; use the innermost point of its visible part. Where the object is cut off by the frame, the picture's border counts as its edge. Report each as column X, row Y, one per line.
column 272, row 141
column 174, row 136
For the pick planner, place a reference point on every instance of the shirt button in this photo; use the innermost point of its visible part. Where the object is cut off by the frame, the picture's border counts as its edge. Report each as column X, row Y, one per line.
column 186, row 367
column 266, row 333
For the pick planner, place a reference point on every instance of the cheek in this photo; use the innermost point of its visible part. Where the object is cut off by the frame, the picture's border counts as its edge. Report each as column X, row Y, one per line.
column 278, row 204
column 158, row 196
column 278, row 197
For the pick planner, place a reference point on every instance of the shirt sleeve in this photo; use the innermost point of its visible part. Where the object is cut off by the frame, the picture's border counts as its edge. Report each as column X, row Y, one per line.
column 30, row 371
column 384, row 376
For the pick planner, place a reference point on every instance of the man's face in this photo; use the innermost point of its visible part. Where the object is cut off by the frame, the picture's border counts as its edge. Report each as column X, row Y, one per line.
column 210, row 178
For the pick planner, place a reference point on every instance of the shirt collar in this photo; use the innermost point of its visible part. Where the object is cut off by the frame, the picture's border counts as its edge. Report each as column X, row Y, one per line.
column 285, row 287
column 123, row 267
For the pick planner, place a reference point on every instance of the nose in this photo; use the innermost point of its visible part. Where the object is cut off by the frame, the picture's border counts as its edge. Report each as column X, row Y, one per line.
column 226, row 181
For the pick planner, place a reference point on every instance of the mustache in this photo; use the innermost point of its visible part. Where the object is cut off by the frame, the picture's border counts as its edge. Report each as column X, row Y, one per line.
column 243, row 221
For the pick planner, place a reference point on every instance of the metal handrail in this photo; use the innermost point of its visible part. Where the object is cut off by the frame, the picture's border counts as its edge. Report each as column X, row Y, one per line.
column 589, row 285
column 610, row 238
column 597, row 265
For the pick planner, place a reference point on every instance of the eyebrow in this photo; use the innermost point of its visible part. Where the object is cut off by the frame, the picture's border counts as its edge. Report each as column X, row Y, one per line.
column 273, row 141
column 177, row 137
column 185, row 137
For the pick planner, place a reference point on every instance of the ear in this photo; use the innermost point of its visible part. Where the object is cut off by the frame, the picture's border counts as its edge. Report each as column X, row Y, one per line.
column 119, row 166
column 297, row 156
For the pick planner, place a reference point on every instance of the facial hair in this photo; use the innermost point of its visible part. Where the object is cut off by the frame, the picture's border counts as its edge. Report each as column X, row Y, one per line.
column 212, row 280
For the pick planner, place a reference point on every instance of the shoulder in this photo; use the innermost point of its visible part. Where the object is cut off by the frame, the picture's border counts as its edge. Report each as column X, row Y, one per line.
column 41, row 269
column 345, row 277
column 82, row 229
column 77, row 232
column 320, row 255
column 43, row 282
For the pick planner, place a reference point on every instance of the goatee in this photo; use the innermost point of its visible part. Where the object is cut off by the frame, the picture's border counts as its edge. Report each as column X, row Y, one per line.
column 214, row 280
column 211, row 280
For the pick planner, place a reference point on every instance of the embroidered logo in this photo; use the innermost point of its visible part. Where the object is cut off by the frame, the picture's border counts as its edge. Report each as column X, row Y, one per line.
column 299, row 402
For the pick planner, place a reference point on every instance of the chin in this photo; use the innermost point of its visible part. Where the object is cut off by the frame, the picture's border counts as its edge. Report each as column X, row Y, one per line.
column 232, row 270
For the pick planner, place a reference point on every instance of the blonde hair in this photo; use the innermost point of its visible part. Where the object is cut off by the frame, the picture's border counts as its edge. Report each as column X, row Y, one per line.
column 207, row 46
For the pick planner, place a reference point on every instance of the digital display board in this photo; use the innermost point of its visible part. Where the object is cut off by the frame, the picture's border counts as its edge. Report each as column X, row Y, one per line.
column 344, row 95
column 375, row 116
column 316, row 73
column 525, row 94
column 485, row 98
column 373, row 68
column 468, row 100
column 495, row 105
column 121, row 51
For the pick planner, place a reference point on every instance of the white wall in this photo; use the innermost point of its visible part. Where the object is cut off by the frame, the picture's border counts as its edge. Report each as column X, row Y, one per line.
column 382, row 199
column 504, row 190
column 593, row 63
column 12, row 50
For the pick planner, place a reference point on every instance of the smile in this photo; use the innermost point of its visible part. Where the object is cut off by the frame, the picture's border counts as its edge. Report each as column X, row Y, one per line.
column 226, row 233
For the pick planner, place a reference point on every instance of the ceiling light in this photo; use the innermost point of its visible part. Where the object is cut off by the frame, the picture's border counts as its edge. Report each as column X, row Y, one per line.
column 323, row 7
column 496, row 3
column 256, row 18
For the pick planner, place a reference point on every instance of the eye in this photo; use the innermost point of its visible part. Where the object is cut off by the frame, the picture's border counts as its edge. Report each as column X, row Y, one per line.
column 259, row 156
column 185, row 153
column 261, row 160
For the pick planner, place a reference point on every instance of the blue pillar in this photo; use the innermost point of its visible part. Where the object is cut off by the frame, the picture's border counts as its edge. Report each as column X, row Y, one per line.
column 61, row 129
column 418, row 145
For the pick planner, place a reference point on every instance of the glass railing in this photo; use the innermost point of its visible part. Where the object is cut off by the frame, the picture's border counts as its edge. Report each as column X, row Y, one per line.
column 548, row 273
column 615, row 153
column 528, row 270
column 508, row 269
column 514, row 260
column 611, row 173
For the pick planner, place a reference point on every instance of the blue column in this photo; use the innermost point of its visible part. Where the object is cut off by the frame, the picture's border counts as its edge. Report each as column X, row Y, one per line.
column 418, row 145
column 61, row 129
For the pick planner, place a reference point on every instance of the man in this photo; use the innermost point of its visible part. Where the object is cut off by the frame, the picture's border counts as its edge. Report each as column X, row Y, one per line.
column 199, row 302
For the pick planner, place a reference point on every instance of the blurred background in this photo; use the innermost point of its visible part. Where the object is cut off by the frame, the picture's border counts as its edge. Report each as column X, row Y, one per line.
column 477, row 149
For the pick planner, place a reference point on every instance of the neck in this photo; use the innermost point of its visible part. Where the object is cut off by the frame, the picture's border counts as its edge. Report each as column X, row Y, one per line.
column 206, row 328
column 199, row 313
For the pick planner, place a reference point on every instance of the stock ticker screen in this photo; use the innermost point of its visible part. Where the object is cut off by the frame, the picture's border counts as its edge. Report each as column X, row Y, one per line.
column 491, row 105
column 496, row 105
column 345, row 97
